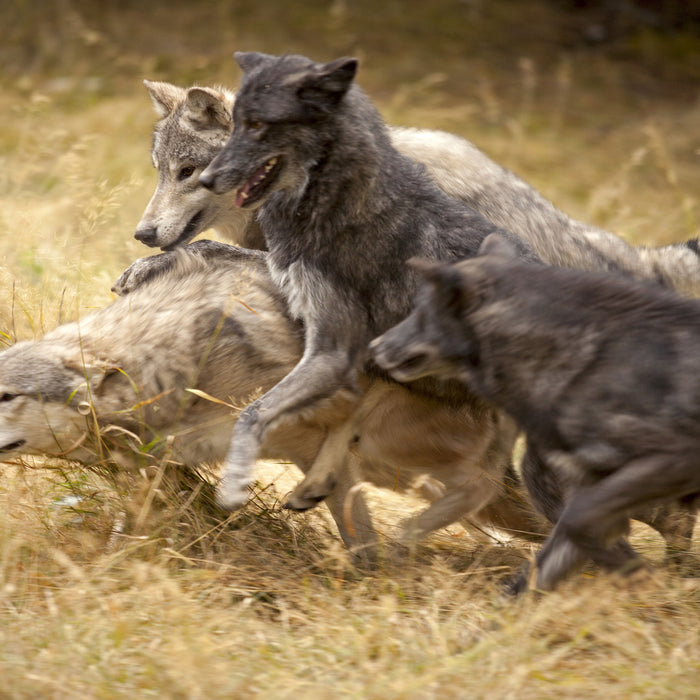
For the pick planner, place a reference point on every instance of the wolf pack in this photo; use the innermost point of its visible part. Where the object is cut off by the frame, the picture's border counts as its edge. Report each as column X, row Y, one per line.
column 394, row 308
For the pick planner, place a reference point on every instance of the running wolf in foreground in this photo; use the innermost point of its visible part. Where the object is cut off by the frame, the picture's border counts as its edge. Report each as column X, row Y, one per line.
column 619, row 418
column 341, row 211
column 196, row 122
column 99, row 389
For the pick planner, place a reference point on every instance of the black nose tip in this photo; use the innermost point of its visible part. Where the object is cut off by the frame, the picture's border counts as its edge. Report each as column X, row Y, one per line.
column 148, row 236
column 206, row 179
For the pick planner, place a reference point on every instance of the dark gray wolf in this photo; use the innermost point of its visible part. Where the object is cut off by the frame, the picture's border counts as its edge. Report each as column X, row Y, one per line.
column 619, row 417
column 120, row 379
column 341, row 210
column 196, row 122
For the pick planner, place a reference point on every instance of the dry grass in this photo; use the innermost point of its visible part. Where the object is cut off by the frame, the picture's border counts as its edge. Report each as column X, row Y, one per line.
column 176, row 603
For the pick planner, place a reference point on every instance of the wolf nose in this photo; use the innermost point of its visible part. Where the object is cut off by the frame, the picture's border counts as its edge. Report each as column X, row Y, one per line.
column 206, row 179
column 148, row 236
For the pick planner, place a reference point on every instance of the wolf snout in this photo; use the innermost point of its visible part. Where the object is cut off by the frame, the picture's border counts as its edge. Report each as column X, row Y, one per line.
column 207, row 178
column 381, row 353
column 147, row 236
column 376, row 350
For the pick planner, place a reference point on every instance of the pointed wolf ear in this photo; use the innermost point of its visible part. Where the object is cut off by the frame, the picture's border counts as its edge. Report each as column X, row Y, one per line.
column 206, row 109
column 326, row 84
column 451, row 289
column 498, row 245
column 248, row 60
column 337, row 75
column 165, row 96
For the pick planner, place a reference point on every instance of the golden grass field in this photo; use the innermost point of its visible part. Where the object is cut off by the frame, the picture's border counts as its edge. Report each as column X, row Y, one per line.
column 267, row 604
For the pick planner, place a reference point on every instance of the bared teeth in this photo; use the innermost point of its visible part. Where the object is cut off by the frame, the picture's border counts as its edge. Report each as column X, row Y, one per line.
column 244, row 192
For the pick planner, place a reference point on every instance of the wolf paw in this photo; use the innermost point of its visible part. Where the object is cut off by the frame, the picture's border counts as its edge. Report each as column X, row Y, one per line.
column 141, row 271
column 307, row 495
column 231, row 495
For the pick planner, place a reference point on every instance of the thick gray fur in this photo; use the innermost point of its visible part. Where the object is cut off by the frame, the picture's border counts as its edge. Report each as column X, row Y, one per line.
column 341, row 211
column 618, row 418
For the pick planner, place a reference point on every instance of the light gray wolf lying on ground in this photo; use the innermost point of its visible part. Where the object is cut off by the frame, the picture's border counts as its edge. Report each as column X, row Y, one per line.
column 196, row 122
column 619, row 417
column 99, row 389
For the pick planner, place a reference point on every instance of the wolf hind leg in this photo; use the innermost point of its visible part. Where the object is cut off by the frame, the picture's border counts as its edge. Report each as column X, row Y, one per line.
column 511, row 511
column 674, row 521
column 456, row 503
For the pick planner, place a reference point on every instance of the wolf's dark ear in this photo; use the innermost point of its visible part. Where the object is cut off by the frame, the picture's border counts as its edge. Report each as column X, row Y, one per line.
column 325, row 85
column 165, row 96
column 248, row 60
column 497, row 245
column 337, row 75
column 206, row 109
column 451, row 288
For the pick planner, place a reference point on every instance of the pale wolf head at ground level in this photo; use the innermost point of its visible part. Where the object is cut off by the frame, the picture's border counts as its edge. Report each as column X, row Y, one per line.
column 601, row 372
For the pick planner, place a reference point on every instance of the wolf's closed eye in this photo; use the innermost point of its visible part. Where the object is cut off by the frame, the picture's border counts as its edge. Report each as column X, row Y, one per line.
column 8, row 396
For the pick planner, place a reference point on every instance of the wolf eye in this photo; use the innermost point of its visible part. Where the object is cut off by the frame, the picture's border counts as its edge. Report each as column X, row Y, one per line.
column 7, row 396
column 254, row 126
column 186, row 172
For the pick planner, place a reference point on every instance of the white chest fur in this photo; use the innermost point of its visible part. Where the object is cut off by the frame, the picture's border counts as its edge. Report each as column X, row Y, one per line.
column 308, row 293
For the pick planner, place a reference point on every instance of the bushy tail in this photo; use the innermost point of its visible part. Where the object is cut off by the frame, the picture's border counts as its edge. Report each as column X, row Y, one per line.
column 676, row 266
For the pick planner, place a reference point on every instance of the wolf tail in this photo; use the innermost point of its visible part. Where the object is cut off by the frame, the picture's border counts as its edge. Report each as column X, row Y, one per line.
column 676, row 265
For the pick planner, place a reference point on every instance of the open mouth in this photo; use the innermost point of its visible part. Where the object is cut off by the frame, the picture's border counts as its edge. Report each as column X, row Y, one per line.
column 12, row 446
column 259, row 183
column 188, row 233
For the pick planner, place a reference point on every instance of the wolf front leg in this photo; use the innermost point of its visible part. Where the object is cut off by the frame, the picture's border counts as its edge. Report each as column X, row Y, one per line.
column 321, row 479
column 318, row 376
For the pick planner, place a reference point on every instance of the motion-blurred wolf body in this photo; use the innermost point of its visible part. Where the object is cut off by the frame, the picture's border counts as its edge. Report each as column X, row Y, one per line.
column 196, row 122
column 619, row 417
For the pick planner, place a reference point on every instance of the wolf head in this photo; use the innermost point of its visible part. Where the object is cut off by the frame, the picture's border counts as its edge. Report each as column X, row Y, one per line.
column 436, row 337
column 279, row 116
column 194, row 124
column 44, row 399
